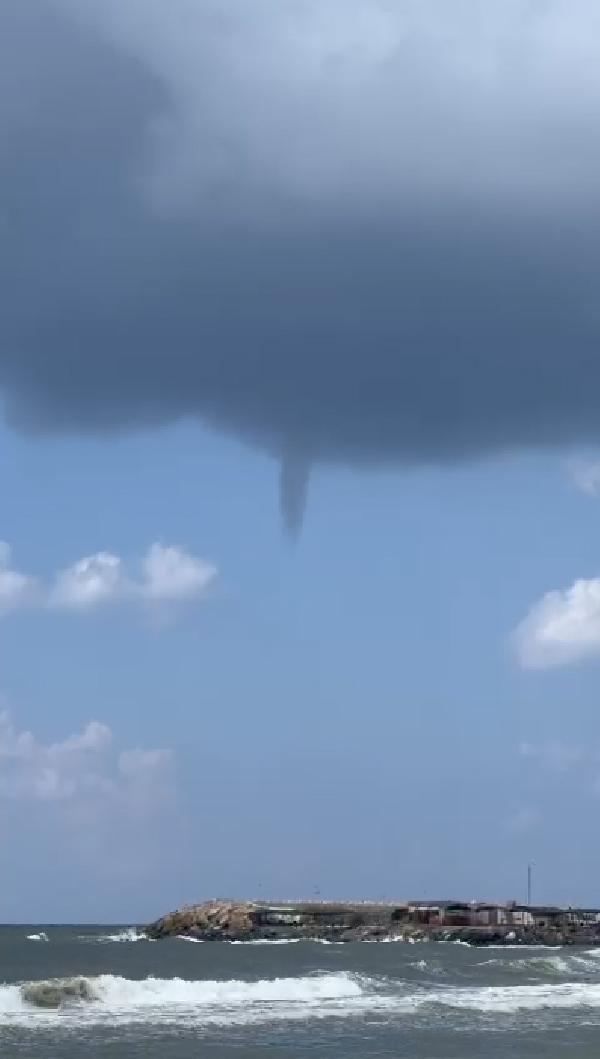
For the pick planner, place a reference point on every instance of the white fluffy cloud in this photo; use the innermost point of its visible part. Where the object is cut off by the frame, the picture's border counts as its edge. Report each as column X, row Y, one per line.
column 562, row 628
column 101, row 805
column 82, row 770
column 90, row 581
column 172, row 574
column 167, row 574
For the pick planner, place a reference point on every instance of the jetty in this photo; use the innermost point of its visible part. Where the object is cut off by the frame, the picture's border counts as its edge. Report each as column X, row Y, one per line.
column 478, row 923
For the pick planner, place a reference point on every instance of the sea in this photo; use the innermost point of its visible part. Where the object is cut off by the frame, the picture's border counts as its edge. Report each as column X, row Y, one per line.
column 82, row 991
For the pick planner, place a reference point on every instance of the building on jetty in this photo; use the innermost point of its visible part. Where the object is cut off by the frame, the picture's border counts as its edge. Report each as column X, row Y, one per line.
column 484, row 914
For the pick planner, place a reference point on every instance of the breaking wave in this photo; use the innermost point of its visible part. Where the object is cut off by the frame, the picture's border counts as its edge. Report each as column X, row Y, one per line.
column 129, row 935
column 57, row 993
column 504, row 1000
column 563, row 965
column 519, row 948
column 269, row 941
column 42, row 936
column 108, row 998
column 286, row 941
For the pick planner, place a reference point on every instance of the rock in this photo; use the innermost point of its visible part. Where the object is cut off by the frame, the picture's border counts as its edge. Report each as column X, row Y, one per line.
column 216, row 919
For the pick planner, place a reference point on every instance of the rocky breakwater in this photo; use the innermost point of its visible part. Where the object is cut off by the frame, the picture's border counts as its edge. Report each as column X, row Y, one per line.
column 211, row 921
column 363, row 921
column 245, row 921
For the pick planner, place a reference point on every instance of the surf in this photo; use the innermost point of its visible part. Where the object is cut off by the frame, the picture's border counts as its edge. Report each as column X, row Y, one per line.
column 110, row 998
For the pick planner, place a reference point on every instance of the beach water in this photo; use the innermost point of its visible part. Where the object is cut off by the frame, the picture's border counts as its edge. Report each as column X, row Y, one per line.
column 95, row 991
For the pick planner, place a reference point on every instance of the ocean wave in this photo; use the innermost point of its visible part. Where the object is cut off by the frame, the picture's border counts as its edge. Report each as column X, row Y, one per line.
column 286, row 941
column 567, row 964
column 542, row 964
column 504, row 1000
column 109, row 998
column 56, row 993
column 131, row 934
column 519, row 948
column 42, row 936
column 267, row 941
column 552, row 965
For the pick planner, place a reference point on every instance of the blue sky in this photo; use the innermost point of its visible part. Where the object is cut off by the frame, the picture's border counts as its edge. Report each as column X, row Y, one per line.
column 344, row 713
column 299, row 382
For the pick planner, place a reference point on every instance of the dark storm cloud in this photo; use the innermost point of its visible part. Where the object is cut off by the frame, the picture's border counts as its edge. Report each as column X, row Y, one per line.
column 358, row 232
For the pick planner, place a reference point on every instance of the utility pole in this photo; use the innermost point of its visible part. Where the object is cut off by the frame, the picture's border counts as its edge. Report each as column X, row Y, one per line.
column 529, row 876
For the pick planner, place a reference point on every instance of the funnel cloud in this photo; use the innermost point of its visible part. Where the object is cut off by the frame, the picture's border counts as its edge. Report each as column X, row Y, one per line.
column 364, row 232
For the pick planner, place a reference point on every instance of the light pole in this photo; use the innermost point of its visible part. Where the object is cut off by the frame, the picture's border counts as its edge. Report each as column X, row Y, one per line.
column 530, row 867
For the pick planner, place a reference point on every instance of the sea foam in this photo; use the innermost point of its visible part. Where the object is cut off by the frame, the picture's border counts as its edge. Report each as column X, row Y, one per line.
column 110, row 998
column 130, row 934
column 510, row 999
